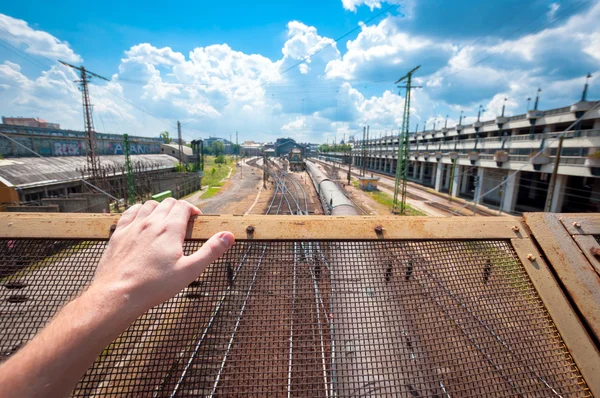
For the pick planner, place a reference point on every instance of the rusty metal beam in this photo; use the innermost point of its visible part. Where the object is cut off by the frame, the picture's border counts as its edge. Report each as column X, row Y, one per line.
column 585, row 353
column 581, row 223
column 579, row 278
column 98, row 226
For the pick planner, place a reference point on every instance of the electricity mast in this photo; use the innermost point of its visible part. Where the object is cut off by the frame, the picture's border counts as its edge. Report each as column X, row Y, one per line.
column 90, row 134
column 403, row 146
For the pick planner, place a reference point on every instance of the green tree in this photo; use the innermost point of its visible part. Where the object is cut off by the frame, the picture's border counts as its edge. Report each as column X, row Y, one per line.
column 218, row 148
column 236, row 149
column 166, row 137
column 220, row 159
column 207, row 150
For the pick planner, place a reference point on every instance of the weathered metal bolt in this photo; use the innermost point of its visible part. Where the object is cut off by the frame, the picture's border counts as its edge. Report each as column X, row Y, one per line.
column 530, row 257
column 515, row 228
column 576, row 224
column 250, row 229
column 378, row 229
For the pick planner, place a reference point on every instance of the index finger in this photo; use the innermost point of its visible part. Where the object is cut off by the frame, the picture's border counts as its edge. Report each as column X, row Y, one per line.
column 180, row 215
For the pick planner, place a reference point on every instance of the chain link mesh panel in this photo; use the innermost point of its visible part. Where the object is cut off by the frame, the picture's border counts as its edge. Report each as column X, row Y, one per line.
column 319, row 319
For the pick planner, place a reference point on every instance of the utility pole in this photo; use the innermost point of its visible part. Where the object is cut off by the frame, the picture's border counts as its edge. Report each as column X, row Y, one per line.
column 403, row 146
column 90, row 134
column 237, row 149
column 180, row 141
column 552, row 184
column 368, row 150
column 364, row 152
column 265, row 170
column 129, row 172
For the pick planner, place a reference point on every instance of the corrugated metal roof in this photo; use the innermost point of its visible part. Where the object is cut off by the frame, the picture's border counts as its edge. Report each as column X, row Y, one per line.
column 186, row 149
column 27, row 172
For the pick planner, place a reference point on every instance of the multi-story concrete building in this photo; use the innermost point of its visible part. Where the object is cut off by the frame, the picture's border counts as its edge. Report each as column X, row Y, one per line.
column 470, row 160
column 251, row 148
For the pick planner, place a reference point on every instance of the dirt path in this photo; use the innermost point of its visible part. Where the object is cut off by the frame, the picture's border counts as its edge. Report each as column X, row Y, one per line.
column 236, row 195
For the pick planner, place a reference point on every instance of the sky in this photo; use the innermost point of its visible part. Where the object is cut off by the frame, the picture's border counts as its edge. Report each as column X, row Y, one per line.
column 312, row 70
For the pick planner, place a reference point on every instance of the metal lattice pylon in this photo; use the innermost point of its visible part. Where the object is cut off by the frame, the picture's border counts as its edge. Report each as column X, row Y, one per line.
column 90, row 133
column 403, row 145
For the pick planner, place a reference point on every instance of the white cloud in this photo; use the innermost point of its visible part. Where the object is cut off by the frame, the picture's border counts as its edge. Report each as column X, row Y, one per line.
column 351, row 5
column 19, row 34
column 216, row 89
column 382, row 50
column 552, row 9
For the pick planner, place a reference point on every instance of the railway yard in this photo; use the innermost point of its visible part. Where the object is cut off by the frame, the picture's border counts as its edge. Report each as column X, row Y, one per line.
column 304, row 314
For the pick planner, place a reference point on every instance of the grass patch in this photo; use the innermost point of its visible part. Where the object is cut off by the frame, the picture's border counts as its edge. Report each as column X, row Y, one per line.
column 213, row 174
column 210, row 192
column 388, row 200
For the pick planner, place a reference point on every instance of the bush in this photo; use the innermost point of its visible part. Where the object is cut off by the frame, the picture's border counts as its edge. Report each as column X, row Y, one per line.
column 213, row 171
column 220, row 159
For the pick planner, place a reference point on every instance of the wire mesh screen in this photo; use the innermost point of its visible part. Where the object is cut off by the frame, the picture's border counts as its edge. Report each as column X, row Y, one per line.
column 319, row 319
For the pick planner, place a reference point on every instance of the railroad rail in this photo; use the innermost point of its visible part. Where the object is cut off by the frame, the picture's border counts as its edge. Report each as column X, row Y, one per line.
column 439, row 205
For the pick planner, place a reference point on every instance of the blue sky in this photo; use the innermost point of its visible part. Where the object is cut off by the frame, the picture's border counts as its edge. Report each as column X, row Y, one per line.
column 218, row 67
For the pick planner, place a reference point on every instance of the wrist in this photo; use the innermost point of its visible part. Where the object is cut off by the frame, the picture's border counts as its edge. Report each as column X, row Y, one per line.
column 112, row 304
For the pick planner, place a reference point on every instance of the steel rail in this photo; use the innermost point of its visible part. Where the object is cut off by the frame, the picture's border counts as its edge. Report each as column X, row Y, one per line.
column 458, row 325
column 205, row 332
column 237, row 323
column 289, row 386
column 498, row 338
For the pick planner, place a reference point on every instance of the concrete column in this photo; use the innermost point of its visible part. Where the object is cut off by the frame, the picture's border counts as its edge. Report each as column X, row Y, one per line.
column 456, row 183
column 558, row 197
column 479, row 187
column 464, row 179
column 414, row 172
column 510, row 192
column 448, row 175
column 439, row 167
column 422, row 172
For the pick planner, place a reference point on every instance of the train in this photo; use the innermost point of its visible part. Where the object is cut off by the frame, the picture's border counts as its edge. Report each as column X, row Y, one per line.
column 296, row 160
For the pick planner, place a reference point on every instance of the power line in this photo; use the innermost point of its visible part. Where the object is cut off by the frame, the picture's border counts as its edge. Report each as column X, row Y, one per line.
column 553, row 20
column 306, row 58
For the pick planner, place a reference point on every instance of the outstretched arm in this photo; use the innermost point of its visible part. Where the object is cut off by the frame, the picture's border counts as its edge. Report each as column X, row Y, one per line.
column 142, row 266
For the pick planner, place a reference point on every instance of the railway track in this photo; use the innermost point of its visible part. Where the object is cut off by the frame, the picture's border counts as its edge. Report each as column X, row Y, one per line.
column 218, row 350
column 385, row 182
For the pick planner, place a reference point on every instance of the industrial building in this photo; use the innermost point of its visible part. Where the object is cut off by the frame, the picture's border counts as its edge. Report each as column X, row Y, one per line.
column 29, row 122
column 17, row 141
column 173, row 150
column 283, row 146
column 29, row 183
column 251, row 148
column 35, row 181
column 469, row 160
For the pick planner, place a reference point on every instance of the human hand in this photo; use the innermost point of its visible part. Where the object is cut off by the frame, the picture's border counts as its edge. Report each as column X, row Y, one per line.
column 143, row 264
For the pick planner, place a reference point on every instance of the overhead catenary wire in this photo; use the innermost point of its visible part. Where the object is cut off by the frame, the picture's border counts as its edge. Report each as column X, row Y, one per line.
column 562, row 15
column 306, row 58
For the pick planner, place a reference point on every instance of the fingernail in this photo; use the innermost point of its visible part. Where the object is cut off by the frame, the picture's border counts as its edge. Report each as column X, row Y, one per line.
column 227, row 238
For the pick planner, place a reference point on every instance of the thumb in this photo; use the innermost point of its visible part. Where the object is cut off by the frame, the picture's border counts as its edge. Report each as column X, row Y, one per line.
column 211, row 250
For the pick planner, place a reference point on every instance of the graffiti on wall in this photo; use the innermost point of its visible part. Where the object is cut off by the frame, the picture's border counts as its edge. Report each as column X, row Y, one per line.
column 134, row 149
column 67, row 148
column 70, row 147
